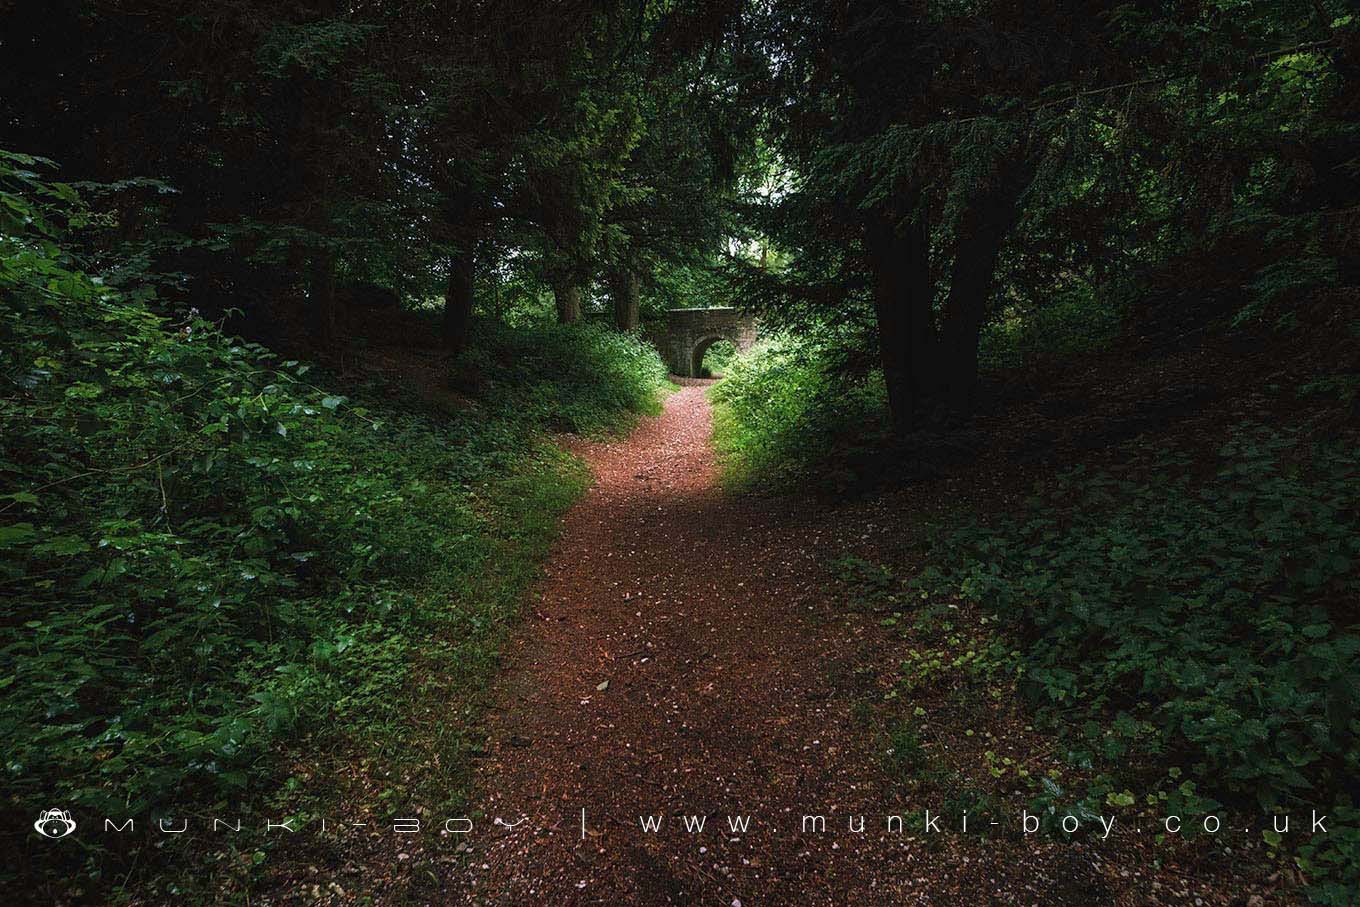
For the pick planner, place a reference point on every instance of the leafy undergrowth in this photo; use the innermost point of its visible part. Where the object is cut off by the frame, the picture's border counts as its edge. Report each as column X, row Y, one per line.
column 1071, row 324
column 782, row 415
column 585, row 378
column 1182, row 633
column 791, row 414
column 215, row 566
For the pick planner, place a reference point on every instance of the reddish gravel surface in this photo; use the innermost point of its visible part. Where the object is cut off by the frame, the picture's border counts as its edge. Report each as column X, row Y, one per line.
column 686, row 657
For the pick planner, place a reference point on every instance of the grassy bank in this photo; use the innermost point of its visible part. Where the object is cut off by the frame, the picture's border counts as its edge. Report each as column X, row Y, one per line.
column 216, row 564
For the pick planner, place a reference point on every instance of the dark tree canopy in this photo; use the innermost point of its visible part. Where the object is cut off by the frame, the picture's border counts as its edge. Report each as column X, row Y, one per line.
column 297, row 300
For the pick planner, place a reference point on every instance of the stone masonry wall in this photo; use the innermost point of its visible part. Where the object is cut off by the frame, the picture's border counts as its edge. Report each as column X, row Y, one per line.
column 691, row 330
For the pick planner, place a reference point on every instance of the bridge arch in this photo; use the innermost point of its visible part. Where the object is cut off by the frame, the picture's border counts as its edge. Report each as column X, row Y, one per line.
column 690, row 332
column 701, row 349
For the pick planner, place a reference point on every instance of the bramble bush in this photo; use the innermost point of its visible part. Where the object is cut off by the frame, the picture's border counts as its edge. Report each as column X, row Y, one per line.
column 203, row 554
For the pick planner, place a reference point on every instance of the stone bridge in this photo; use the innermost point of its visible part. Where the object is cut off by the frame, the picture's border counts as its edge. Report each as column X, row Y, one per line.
column 689, row 333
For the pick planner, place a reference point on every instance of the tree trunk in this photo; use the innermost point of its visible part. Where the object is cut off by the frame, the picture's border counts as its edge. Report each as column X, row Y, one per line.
column 458, row 301
column 567, row 294
column 626, row 287
column 322, row 301
column 463, row 228
column 899, row 257
column 982, row 231
column 920, row 302
column 969, row 289
column 894, row 350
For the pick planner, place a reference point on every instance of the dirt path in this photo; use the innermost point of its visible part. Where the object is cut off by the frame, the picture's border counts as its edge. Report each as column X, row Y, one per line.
column 701, row 611
column 731, row 675
column 688, row 656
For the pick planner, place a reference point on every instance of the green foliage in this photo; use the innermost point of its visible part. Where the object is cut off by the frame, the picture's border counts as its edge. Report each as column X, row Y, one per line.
column 682, row 285
column 578, row 378
column 784, row 411
column 1197, row 629
column 903, row 755
column 205, row 557
column 1332, row 865
column 792, row 410
column 1285, row 280
column 867, row 586
column 1074, row 322
column 1206, row 618
column 718, row 358
column 1209, row 153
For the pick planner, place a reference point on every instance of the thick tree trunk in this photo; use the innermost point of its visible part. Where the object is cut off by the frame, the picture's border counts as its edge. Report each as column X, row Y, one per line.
column 463, row 227
column 322, row 302
column 920, row 302
column 458, row 301
column 894, row 351
column 567, row 294
column 625, row 287
column 982, row 231
column 899, row 256
column 969, row 290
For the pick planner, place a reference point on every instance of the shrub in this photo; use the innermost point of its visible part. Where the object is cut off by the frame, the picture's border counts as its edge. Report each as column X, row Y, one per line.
column 718, row 359
column 1212, row 620
column 1072, row 323
column 579, row 378
column 784, row 411
column 203, row 554
column 1203, row 629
